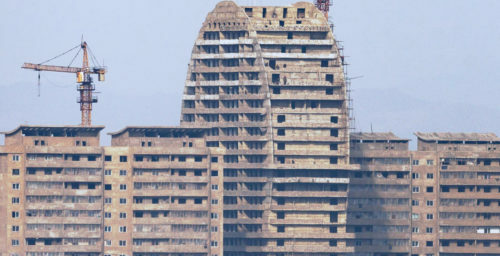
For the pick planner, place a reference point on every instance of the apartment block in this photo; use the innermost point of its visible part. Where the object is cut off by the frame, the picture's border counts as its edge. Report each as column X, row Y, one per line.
column 263, row 163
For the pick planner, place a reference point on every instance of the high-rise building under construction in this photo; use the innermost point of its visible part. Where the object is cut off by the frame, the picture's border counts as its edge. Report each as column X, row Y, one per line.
column 262, row 164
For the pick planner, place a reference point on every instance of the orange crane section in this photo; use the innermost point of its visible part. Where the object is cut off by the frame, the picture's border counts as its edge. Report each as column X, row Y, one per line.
column 83, row 78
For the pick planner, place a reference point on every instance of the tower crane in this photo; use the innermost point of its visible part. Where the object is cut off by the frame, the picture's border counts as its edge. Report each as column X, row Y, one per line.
column 84, row 80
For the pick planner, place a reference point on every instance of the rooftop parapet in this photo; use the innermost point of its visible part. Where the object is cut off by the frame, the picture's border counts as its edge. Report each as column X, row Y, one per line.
column 363, row 141
column 45, row 135
column 148, row 136
column 446, row 141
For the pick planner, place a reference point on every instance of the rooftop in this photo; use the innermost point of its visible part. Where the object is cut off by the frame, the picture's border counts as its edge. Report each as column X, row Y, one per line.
column 166, row 131
column 27, row 129
column 376, row 136
column 448, row 136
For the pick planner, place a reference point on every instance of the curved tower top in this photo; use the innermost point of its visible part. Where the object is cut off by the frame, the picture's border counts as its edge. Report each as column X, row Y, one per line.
column 270, row 83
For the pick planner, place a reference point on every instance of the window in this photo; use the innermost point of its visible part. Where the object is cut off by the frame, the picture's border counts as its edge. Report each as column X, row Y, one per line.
column 123, row 186
column 280, row 215
column 15, row 200
column 430, row 216
column 15, row 186
column 107, row 186
column 415, row 230
column 281, row 146
column 414, row 243
column 430, row 203
column 123, row 159
column 324, row 63
column 334, row 132
column 123, row 229
column 415, row 189
column 334, row 160
column 107, row 215
column 334, row 146
column 329, row 78
column 214, row 159
column 15, row 172
column 430, row 162
column 334, row 119
column 333, row 229
column 123, row 172
column 281, row 118
column 108, row 158
column 107, row 242
column 214, row 243
column 428, row 230
column 214, row 229
column 281, row 132
column 122, row 243
column 15, row 228
column 215, row 201
column 107, row 200
column 91, row 158
column 290, row 35
column 429, row 243
column 214, row 215
column 414, row 162
column 15, row 215
column 215, row 173
column 198, row 201
column 280, row 242
column 332, row 242
column 16, row 158
column 15, row 242
column 430, row 176
column 215, row 187
column 429, row 189
column 414, row 202
column 415, row 216
column 107, row 228
column 107, row 172
column 123, row 200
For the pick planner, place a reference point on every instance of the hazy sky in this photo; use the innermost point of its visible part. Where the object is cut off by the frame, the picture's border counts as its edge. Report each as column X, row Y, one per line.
column 428, row 65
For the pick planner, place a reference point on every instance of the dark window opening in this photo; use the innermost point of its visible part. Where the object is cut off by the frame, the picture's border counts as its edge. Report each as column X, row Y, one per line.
column 329, row 78
column 281, row 118
column 301, row 13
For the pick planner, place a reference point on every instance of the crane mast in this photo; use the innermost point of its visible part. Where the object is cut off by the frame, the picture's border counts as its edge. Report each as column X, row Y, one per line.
column 84, row 79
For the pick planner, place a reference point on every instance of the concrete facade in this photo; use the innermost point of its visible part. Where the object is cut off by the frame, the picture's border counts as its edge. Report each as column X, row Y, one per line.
column 261, row 164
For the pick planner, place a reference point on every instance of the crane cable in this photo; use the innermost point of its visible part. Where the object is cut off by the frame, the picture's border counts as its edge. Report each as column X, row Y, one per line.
column 79, row 45
column 76, row 55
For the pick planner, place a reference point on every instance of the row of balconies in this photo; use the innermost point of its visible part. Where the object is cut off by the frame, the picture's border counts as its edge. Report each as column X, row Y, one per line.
column 265, row 41
column 236, row 55
column 65, row 220
column 64, row 248
column 63, row 178
column 223, row 83
column 63, row 164
column 178, row 249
